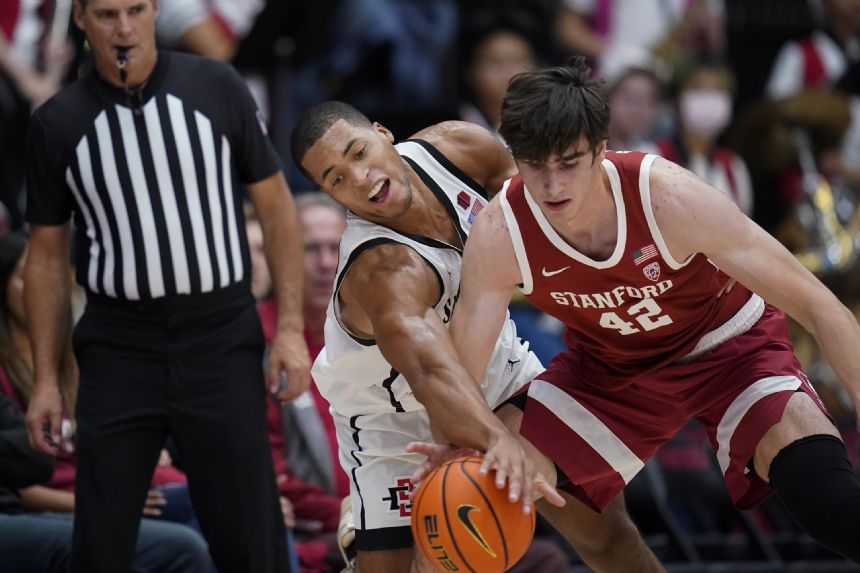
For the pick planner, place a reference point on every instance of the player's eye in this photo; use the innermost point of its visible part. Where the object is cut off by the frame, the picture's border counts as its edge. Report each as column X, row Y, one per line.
column 360, row 153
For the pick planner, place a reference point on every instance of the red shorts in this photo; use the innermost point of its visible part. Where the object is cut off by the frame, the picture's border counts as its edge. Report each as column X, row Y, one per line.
column 601, row 438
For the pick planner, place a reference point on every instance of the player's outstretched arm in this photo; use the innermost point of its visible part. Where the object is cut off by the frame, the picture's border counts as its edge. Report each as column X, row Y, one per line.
column 696, row 218
column 397, row 290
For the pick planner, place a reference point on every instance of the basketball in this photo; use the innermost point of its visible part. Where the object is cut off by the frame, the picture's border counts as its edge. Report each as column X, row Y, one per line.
column 462, row 522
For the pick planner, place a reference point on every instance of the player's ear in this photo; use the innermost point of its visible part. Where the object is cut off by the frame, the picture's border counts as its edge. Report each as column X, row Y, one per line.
column 600, row 151
column 383, row 131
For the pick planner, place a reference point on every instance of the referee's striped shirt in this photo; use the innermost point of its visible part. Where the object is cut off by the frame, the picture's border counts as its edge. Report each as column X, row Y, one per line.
column 155, row 194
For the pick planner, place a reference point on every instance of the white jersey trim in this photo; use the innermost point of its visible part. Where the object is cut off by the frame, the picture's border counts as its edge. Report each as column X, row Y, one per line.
column 743, row 320
column 563, row 246
column 517, row 240
column 645, row 192
column 741, row 405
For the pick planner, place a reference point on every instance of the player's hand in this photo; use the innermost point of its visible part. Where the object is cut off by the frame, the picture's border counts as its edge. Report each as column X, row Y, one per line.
column 155, row 500
column 437, row 454
column 514, row 467
column 44, row 418
column 288, row 374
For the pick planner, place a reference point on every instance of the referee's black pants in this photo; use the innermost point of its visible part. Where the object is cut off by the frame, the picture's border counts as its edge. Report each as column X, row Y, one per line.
column 190, row 366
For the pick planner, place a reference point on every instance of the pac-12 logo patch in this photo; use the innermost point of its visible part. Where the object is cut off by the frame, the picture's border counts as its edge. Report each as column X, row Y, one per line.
column 398, row 497
column 652, row 271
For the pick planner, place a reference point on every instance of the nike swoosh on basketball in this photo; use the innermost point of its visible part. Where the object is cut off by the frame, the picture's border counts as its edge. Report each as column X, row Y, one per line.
column 463, row 514
column 547, row 273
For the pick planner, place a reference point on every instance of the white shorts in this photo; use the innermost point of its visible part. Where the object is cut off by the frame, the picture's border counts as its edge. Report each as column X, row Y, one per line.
column 372, row 452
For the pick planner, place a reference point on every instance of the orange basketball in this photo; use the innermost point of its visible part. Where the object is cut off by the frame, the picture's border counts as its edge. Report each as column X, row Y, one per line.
column 462, row 522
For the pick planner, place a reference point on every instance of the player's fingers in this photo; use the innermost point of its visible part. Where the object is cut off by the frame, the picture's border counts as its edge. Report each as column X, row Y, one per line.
column 549, row 493
column 421, row 472
column 487, row 462
column 433, row 451
column 527, row 480
column 515, row 480
column 502, row 472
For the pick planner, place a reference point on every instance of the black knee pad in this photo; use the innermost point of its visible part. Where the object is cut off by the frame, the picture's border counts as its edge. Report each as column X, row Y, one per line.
column 815, row 482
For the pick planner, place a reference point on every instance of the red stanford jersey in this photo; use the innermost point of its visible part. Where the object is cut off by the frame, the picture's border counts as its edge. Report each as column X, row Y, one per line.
column 638, row 310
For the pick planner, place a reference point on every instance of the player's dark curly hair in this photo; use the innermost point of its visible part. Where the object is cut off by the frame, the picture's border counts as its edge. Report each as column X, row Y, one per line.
column 315, row 121
column 547, row 110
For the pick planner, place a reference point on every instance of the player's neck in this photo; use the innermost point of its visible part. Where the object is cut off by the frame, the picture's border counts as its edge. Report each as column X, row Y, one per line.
column 593, row 229
column 427, row 216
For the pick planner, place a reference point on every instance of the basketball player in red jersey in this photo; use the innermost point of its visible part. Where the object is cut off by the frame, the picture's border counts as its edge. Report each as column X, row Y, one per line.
column 631, row 251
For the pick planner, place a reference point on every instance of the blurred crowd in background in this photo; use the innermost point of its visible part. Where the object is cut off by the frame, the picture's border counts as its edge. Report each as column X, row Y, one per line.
column 761, row 98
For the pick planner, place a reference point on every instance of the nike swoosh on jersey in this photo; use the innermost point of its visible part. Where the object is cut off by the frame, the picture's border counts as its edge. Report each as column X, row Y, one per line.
column 547, row 273
column 463, row 514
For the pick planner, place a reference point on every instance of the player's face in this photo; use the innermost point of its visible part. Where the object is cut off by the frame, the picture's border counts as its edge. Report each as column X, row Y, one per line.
column 113, row 24
column 561, row 184
column 322, row 228
column 360, row 168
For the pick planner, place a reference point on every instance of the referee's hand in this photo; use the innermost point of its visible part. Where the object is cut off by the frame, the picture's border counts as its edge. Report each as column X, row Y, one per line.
column 288, row 376
column 44, row 418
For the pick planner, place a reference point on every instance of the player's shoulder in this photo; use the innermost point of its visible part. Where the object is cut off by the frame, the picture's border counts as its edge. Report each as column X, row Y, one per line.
column 460, row 140
column 379, row 268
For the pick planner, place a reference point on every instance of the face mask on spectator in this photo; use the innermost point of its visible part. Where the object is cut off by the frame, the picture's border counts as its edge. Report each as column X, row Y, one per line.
column 705, row 112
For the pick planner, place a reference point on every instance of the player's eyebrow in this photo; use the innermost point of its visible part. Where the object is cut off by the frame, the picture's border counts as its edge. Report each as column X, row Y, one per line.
column 574, row 155
column 346, row 149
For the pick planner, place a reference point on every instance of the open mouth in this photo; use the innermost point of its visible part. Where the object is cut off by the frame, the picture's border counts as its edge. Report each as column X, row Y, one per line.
column 379, row 192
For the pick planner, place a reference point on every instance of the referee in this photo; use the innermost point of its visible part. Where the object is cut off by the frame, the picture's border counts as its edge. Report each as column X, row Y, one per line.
column 149, row 154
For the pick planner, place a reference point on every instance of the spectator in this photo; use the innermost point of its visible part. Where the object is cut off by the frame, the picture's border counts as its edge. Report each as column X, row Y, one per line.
column 618, row 34
column 208, row 28
column 168, row 499
column 170, row 343
column 494, row 55
column 41, row 542
column 704, row 110
column 635, row 99
column 309, row 477
column 822, row 58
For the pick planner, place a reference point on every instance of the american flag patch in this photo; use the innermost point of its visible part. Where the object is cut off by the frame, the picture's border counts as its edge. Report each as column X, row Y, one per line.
column 476, row 208
column 643, row 254
column 463, row 200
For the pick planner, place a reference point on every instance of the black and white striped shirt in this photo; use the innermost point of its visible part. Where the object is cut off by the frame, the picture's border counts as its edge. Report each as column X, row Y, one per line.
column 155, row 195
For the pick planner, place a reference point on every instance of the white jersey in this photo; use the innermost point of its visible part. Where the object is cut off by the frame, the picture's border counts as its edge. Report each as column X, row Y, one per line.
column 351, row 372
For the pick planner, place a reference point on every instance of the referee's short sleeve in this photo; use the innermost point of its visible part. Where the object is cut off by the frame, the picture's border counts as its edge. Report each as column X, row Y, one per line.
column 49, row 201
column 256, row 158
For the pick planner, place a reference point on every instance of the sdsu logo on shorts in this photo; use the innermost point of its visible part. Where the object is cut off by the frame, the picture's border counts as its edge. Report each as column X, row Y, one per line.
column 398, row 497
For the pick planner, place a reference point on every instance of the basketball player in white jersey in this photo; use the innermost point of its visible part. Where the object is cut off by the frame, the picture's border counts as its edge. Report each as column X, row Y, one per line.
column 411, row 207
